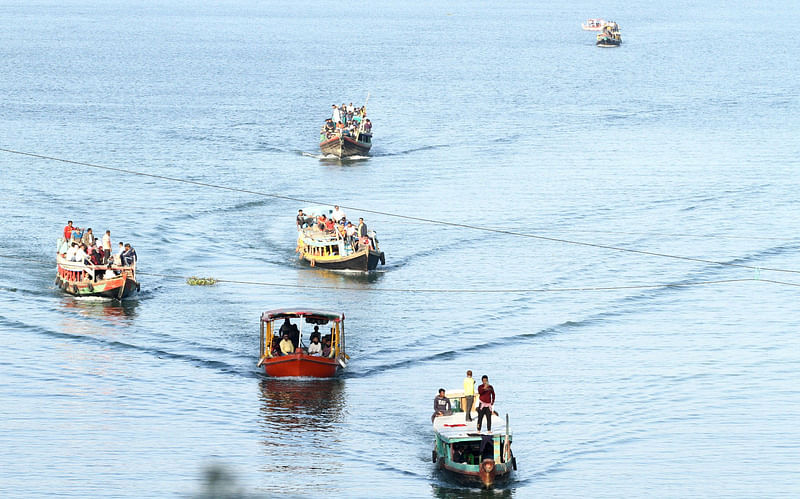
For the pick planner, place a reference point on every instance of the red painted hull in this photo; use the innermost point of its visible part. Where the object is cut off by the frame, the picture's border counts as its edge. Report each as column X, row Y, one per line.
column 301, row 365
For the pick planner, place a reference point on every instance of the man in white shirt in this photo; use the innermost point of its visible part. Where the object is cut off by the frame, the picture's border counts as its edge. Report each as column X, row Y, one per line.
column 337, row 214
column 106, row 246
column 335, row 116
column 71, row 252
column 80, row 254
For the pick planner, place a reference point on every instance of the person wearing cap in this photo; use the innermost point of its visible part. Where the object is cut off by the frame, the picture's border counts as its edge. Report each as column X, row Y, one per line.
column 286, row 345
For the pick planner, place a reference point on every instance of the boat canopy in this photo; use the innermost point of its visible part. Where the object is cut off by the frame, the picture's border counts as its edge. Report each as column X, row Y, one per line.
column 311, row 316
column 318, row 210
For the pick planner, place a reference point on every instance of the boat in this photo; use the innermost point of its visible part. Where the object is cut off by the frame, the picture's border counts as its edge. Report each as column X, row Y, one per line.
column 300, row 363
column 468, row 456
column 330, row 250
column 83, row 279
column 345, row 139
column 593, row 24
column 610, row 36
column 342, row 144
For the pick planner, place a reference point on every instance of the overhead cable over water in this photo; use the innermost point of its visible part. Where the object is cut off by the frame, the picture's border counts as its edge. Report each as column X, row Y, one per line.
column 451, row 290
column 407, row 217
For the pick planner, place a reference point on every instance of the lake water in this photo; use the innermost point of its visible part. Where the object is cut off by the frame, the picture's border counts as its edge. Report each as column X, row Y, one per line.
column 683, row 141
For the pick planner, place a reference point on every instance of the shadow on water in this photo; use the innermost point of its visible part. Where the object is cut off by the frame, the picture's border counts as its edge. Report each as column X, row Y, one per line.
column 322, row 277
column 101, row 308
column 301, row 404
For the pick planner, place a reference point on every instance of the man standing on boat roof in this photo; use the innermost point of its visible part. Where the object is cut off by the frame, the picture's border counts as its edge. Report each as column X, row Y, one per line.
column 485, row 402
column 469, row 395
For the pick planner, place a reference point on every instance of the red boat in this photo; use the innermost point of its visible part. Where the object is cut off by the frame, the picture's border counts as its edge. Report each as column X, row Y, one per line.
column 283, row 351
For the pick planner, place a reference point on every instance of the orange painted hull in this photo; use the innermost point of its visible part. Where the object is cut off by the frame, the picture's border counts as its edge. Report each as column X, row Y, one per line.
column 301, row 365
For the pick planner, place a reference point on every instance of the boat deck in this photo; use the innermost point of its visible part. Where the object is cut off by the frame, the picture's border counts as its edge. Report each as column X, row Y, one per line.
column 454, row 426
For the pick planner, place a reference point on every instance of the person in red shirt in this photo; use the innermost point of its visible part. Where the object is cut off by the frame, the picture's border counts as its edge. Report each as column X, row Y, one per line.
column 68, row 230
column 485, row 403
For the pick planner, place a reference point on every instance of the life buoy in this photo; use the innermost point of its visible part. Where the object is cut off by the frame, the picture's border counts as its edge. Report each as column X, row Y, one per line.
column 90, row 287
column 137, row 287
column 64, row 285
column 75, row 288
column 58, row 281
column 383, row 259
column 433, row 456
column 313, row 262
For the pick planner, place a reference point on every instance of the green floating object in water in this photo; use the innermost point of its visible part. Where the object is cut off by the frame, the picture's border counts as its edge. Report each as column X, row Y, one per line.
column 201, row 281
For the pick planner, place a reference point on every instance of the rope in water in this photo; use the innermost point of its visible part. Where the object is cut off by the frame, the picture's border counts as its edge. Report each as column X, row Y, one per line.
column 454, row 291
column 408, row 217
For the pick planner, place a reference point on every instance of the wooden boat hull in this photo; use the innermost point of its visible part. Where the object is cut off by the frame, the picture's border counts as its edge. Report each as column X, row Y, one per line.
column 609, row 43
column 344, row 146
column 364, row 260
column 118, row 288
column 301, row 365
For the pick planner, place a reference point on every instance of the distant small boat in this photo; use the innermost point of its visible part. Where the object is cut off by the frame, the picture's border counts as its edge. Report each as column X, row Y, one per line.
column 83, row 279
column 610, row 36
column 301, row 362
column 593, row 24
column 470, row 457
column 347, row 132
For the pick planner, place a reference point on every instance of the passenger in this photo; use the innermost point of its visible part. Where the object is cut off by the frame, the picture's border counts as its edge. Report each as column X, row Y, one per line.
column 362, row 228
column 368, row 126
column 294, row 335
column 321, row 221
column 68, row 230
column 303, row 220
column 337, row 214
column 315, row 347
column 118, row 254
column 80, row 254
column 335, row 115
column 286, row 345
column 485, row 403
column 329, row 225
column 327, row 351
column 106, row 246
column 286, row 327
column 441, row 406
column 469, row 395
column 128, row 256
column 340, row 125
column 73, row 248
column 350, row 233
column 96, row 255
column 88, row 237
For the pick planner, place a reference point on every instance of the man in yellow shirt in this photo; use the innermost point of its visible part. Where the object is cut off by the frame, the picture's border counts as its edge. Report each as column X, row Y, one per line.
column 286, row 345
column 469, row 394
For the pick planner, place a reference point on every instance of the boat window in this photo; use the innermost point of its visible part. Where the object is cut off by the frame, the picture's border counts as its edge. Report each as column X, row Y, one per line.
column 467, row 452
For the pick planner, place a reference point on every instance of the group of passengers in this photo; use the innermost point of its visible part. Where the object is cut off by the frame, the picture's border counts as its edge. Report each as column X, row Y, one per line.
column 348, row 119
column 287, row 341
column 337, row 225
column 81, row 246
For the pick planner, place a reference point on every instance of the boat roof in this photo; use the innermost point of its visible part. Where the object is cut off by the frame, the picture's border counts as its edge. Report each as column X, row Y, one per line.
column 292, row 313
column 454, row 427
